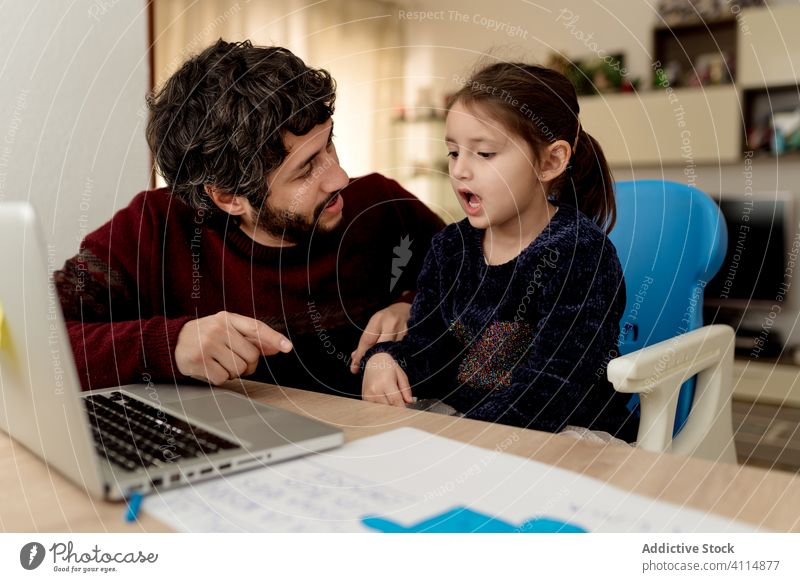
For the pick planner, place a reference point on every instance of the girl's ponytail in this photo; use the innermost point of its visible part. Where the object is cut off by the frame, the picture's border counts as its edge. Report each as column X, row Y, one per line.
column 588, row 183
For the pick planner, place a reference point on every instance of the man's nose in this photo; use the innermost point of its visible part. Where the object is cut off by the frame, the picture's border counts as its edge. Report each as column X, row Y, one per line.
column 335, row 178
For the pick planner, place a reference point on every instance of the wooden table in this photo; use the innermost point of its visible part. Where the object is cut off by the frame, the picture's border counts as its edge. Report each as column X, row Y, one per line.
column 33, row 498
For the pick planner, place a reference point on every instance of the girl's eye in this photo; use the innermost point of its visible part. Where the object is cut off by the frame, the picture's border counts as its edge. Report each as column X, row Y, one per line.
column 486, row 155
column 452, row 155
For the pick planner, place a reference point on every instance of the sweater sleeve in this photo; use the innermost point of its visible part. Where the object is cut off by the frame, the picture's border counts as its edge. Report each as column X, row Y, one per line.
column 561, row 378
column 427, row 353
column 116, row 337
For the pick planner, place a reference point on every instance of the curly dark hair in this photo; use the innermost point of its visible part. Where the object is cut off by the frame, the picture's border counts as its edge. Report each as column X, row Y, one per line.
column 220, row 119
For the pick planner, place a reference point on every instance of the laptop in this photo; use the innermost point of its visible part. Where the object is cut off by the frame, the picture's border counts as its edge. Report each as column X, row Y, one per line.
column 129, row 439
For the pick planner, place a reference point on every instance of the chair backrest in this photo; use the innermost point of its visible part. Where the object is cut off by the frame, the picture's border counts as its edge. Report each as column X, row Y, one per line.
column 671, row 240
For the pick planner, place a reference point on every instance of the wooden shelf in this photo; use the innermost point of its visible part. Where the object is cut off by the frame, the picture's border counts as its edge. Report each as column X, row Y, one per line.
column 769, row 48
column 676, row 127
column 699, row 24
column 644, row 128
column 686, row 44
column 760, row 105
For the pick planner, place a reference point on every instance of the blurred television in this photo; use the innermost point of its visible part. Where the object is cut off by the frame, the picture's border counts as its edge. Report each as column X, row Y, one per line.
column 760, row 264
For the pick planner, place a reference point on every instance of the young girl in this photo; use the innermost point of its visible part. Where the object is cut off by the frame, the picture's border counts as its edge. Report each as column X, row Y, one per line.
column 518, row 306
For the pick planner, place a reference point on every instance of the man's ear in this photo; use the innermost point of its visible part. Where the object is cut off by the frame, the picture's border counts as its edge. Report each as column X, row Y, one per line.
column 554, row 161
column 230, row 203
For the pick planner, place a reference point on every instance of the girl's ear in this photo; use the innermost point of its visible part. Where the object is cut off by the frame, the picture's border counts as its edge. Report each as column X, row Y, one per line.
column 230, row 203
column 554, row 161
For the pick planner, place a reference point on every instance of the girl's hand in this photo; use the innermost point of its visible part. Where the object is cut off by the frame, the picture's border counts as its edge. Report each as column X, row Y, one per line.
column 387, row 325
column 385, row 381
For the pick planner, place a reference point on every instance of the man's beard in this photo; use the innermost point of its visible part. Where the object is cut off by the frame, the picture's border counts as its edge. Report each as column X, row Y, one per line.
column 292, row 227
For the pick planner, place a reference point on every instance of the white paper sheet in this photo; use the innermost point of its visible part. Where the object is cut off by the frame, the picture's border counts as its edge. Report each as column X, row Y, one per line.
column 408, row 476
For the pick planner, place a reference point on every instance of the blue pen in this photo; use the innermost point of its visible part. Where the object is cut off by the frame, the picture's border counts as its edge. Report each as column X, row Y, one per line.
column 134, row 503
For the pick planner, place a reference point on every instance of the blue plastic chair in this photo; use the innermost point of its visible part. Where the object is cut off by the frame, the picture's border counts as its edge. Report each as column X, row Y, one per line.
column 671, row 240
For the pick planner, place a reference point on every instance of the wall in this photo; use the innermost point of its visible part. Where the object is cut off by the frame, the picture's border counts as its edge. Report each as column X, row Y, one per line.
column 447, row 37
column 338, row 35
column 73, row 77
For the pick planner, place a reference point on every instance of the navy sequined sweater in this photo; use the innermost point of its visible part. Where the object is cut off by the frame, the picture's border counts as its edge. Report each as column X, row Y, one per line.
column 524, row 343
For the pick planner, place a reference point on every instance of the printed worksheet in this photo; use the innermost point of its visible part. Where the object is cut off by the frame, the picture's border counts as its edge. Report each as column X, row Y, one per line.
column 414, row 481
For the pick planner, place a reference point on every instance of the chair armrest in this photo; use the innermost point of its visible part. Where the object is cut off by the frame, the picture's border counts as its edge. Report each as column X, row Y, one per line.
column 657, row 372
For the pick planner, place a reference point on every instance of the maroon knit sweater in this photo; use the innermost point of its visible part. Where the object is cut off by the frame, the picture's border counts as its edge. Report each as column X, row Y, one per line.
column 160, row 263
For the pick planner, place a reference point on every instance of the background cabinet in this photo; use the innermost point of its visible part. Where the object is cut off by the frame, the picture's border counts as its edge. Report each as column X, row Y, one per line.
column 768, row 47
column 681, row 126
column 650, row 127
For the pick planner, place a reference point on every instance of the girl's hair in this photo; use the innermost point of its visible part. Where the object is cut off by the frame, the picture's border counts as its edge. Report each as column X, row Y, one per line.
column 540, row 105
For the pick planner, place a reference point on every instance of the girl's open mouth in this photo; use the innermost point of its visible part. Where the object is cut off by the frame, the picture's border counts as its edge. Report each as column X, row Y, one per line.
column 472, row 202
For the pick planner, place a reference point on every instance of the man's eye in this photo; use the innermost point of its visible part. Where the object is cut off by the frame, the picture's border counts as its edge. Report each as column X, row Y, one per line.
column 306, row 174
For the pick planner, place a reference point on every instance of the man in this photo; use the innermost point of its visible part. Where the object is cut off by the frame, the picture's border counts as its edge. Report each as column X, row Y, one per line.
column 260, row 246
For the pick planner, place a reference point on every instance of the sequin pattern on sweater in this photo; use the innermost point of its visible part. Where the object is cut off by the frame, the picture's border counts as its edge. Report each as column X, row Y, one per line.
column 490, row 358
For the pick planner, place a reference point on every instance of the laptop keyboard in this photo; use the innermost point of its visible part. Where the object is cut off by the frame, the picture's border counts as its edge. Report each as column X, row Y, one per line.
column 132, row 434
